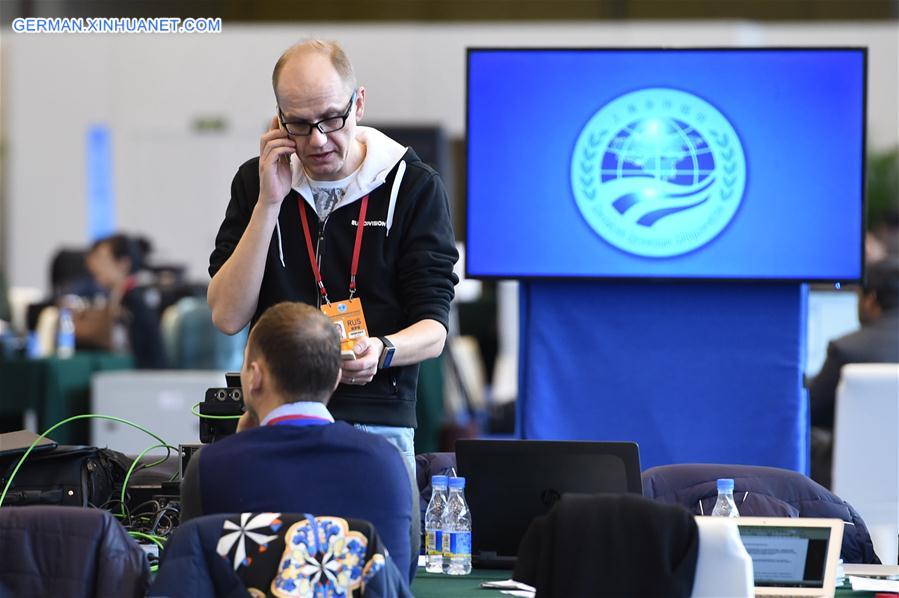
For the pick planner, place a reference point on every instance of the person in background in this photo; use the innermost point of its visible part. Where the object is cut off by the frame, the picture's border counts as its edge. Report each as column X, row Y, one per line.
column 289, row 455
column 876, row 342
column 130, row 319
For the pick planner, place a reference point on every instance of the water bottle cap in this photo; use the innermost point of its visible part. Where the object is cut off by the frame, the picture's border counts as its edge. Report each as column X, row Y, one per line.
column 457, row 482
column 438, row 480
column 725, row 485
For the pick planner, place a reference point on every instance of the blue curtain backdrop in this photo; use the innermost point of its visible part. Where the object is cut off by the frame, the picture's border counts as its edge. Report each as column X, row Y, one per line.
column 697, row 372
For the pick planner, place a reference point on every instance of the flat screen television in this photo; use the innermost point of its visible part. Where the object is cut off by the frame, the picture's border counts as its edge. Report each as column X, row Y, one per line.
column 702, row 163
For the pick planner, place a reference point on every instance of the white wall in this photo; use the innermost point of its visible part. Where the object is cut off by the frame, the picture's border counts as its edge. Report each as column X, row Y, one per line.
column 172, row 184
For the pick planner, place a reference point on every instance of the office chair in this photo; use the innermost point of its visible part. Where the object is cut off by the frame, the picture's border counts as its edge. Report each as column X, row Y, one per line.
column 760, row 492
column 236, row 554
column 68, row 551
column 866, row 449
column 610, row 545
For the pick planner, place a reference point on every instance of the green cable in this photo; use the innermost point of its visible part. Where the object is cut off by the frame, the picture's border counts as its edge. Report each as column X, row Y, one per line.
column 158, row 540
column 154, row 539
column 203, row 415
column 168, row 449
column 65, row 421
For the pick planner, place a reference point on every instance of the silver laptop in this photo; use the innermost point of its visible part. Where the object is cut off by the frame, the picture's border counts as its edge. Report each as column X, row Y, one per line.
column 792, row 556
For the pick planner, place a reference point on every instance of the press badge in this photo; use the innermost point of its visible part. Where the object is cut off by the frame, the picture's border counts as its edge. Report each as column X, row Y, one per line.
column 349, row 320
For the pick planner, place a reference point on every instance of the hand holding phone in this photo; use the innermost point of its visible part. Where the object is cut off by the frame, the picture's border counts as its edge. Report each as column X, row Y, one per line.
column 275, row 148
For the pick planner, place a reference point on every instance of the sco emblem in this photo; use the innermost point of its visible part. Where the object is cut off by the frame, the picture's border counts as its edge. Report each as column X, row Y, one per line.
column 658, row 172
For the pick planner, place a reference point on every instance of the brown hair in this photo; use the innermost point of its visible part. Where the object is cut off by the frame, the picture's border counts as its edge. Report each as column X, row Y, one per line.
column 301, row 348
column 331, row 49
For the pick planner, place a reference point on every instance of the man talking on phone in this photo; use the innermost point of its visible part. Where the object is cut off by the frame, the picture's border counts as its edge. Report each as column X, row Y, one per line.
column 340, row 216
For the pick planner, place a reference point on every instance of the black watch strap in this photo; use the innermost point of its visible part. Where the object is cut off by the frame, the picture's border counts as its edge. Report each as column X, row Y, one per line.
column 386, row 354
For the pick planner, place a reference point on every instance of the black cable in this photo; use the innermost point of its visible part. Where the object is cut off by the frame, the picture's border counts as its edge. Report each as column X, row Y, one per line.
column 159, row 515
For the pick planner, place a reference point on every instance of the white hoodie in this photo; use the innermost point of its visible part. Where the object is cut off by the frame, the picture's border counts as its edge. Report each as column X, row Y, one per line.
column 381, row 155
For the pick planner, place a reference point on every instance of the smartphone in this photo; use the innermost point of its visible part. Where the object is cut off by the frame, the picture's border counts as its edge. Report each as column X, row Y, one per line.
column 285, row 159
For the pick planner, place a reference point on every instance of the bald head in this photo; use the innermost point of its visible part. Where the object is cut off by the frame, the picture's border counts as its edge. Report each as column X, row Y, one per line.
column 314, row 82
column 312, row 59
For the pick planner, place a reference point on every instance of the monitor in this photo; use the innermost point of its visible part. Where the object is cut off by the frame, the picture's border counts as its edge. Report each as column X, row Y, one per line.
column 703, row 163
column 510, row 482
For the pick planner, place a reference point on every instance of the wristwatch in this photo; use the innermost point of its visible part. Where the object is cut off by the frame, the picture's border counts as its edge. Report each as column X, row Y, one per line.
column 386, row 354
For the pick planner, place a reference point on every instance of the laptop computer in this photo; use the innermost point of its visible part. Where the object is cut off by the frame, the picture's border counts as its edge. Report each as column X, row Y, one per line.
column 510, row 482
column 792, row 556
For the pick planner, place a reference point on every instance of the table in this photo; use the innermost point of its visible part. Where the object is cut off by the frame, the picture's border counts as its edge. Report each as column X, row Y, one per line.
column 434, row 585
column 55, row 389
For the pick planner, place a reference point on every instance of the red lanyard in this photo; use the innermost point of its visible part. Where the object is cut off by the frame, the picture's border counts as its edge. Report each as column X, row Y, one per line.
column 357, row 248
column 130, row 284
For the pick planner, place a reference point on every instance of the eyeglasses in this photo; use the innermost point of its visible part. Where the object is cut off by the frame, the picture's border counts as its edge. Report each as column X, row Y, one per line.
column 326, row 125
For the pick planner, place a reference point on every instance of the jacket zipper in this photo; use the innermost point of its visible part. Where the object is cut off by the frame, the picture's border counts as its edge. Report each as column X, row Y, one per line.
column 318, row 255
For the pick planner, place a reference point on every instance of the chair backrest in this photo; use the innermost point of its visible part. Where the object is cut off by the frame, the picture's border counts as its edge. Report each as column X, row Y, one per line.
column 760, row 492
column 100, row 559
column 69, row 273
column 228, row 554
column 192, row 341
column 427, row 465
column 723, row 567
column 168, row 330
column 19, row 300
column 610, row 545
column 866, row 449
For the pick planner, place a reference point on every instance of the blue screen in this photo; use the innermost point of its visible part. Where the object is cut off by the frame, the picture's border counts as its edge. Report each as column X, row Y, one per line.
column 706, row 164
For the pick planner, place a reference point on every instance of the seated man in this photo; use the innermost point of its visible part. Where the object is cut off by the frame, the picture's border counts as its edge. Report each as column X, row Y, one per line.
column 876, row 342
column 289, row 455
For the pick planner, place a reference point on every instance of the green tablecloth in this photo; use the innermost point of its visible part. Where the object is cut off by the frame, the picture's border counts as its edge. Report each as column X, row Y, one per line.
column 56, row 389
column 433, row 585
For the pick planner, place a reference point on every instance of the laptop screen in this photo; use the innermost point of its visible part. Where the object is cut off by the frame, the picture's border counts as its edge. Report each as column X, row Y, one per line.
column 784, row 556
column 510, row 482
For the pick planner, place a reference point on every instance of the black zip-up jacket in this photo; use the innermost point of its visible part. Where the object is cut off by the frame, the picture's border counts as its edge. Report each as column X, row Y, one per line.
column 404, row 277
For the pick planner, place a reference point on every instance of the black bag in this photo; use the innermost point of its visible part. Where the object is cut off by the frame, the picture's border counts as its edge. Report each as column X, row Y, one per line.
column 78, row 476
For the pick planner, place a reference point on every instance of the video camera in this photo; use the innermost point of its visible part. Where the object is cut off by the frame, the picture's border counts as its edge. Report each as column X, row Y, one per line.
column 220, row 409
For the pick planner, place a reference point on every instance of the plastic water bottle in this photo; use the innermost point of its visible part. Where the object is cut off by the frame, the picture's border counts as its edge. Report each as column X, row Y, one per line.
column 725, row 505
column 65, row 336
column 456, row 531
column 32, row 346
column 434, row 525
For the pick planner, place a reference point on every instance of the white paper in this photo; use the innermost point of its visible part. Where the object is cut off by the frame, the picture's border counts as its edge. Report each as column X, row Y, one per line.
column 866, row 570
column 507, row 584
column 867, row 584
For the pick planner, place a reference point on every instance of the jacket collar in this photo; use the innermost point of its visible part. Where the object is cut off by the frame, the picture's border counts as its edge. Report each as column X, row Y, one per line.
column 381, row 154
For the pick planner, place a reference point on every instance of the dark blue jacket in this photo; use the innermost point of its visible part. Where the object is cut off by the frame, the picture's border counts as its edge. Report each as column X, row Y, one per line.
column 221, row 556
column 760, row 492
column 332, row 469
